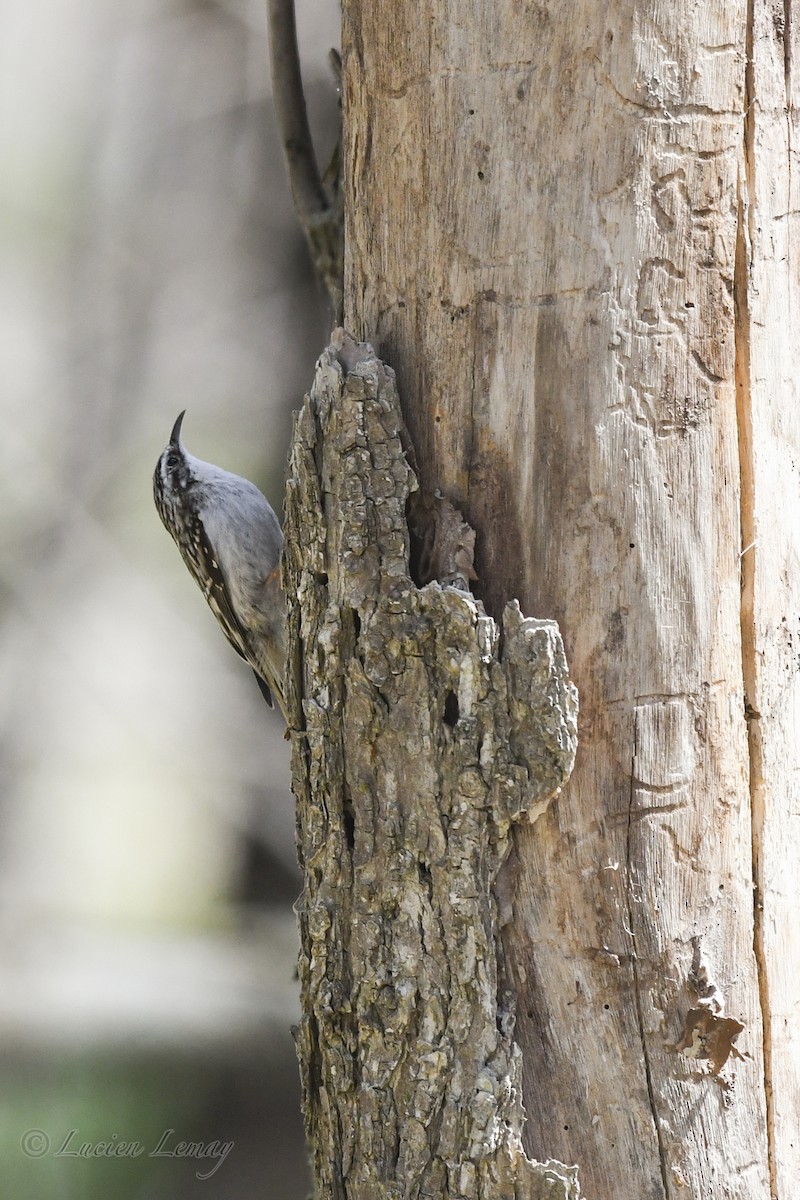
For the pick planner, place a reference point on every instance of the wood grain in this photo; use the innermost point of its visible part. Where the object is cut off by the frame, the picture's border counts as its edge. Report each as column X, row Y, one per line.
column 542, row 223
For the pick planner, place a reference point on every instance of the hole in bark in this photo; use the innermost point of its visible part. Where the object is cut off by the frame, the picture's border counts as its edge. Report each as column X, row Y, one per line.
column 425, row 875
column 348, row 817
column 606, row 1006
column 417, row 543
column 356, row 621
column 480, row 174
column 450, row 716
column 321, row 578
column 349, row 827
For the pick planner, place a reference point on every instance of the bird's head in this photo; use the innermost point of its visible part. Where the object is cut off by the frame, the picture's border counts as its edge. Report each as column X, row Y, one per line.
column 172, row 478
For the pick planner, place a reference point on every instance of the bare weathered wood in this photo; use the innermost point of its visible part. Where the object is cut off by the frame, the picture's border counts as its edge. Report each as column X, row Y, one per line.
column 422, row 731
column 543, row 215
column 768, row 370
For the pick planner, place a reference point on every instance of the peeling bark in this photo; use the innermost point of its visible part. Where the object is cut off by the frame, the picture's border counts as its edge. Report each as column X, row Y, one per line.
column 422, row 732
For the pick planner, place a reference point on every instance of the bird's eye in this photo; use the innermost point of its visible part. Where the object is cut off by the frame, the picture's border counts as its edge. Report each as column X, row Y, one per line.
column 172, row 461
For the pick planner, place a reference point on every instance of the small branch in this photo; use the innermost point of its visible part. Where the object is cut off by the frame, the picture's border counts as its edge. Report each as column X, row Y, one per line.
column 319, row 213
column 290, row 108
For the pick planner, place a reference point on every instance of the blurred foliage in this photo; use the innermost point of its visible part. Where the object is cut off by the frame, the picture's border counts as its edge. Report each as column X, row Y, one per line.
column 58, row 1117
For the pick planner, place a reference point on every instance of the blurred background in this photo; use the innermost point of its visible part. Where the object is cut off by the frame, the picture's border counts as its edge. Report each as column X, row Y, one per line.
column 151, row 262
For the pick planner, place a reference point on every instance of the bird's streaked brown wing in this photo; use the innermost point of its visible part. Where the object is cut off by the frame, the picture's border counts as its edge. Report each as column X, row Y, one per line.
column 199, row 558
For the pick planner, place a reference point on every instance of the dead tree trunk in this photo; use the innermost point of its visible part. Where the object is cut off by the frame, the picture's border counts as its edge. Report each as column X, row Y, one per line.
column 422, row 731
column 555, row 235
column 768, row 311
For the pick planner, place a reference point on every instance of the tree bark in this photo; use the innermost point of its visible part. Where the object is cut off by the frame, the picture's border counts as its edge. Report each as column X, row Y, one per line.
column 421, row 732
column 550, row 214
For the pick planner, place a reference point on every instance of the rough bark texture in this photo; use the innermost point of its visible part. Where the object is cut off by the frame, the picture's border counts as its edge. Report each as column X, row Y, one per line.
column 545, row 203
column 422, row 732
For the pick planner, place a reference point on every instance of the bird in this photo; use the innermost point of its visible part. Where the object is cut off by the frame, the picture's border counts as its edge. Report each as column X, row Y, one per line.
column 231, row 541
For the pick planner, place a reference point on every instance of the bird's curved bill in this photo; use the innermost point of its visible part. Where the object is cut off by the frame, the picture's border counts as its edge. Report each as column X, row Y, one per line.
column 175, row 436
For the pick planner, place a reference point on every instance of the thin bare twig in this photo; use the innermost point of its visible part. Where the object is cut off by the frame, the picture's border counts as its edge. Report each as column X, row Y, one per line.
column 318, row 211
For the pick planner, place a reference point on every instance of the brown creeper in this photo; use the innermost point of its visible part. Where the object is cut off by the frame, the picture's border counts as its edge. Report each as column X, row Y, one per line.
column 231, row 540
